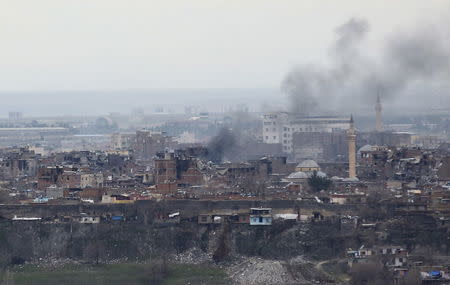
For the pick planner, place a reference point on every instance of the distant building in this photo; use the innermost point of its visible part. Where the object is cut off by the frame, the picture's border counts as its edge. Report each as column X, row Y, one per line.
column 443, row 172
column 148, row 143
column 320, row 146
column 351, row 138
column 348, row 198
column 48, row 176
column 67, row 177
column 86, row 219
column 121, row 141
column 54, row 192
column 280, row 127
column 76, row 179
column 15, row 116
column 273, row 124
column 17, row 162
column 427, row 141
column 179, row 169
column 297, row 177
column 187, row 138
column 117, row 199
column 372, row 155
column 260, row 216
column 305, row 170
column 385, row 138
column 391, row 256
column 307, row 165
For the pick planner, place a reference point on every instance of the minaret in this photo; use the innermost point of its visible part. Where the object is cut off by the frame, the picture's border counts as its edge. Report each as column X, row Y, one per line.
column 351, row 139
column 378, row 123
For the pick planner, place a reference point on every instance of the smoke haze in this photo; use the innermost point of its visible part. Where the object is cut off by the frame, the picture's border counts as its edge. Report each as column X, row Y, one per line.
column 221, row 145
column 407, row 60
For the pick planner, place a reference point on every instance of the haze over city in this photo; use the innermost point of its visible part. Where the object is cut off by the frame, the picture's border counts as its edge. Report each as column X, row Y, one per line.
column 225, row 142
column 56, row 54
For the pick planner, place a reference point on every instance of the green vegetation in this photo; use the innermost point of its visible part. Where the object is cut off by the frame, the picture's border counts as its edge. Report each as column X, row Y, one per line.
column 196, row 274
column 126, row 273
column 318, row 183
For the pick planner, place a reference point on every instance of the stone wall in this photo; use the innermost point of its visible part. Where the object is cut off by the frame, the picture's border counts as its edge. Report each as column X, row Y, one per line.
column 187, row 208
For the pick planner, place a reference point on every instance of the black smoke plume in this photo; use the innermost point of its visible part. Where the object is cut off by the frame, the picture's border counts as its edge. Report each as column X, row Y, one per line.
column 407, row 59
column 221, row 145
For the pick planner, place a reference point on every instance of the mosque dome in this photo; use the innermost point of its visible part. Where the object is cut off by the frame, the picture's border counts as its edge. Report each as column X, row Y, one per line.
column 309, row 163
column 298, row 175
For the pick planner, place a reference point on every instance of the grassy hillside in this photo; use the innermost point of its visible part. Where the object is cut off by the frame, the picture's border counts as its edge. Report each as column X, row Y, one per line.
column 126, row 273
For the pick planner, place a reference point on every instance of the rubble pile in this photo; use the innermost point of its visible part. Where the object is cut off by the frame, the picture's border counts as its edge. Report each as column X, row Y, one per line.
column 256, row 271
column 191, row 256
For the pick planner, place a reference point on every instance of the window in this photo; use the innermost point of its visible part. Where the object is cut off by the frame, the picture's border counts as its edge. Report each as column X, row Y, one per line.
column 274, row 137
column 267, row 137
column 267, row 129
column 204, row 219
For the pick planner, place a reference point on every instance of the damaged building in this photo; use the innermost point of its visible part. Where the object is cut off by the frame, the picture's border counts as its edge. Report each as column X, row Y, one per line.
column 17, row 162
column 178, row 169
column 147, row 143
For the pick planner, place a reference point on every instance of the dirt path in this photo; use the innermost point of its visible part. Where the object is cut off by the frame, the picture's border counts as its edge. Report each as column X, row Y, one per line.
column 319, row 267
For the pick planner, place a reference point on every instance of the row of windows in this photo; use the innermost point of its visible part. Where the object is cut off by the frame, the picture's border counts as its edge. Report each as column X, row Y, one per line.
column 274, row 137
column 306, row 129
column 286, row 129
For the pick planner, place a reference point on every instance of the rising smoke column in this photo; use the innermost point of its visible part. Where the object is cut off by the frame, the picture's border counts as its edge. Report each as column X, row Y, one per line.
column 308, row 86
column 416, row 57
column 407, row 59
column 221, row 145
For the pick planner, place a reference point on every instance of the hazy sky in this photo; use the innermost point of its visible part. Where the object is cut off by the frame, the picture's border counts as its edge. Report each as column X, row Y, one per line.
column 112, row 45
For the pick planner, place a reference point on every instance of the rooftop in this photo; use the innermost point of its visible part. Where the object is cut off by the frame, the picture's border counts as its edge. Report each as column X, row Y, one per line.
column 308, row 164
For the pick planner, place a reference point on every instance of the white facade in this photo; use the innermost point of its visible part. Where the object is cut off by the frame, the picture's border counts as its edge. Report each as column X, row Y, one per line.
column 89, row 220
column 279, row 127
column 272, row 127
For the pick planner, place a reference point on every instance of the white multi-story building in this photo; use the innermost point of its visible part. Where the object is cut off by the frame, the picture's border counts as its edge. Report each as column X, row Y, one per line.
column 273, row 126
column 279, row 127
